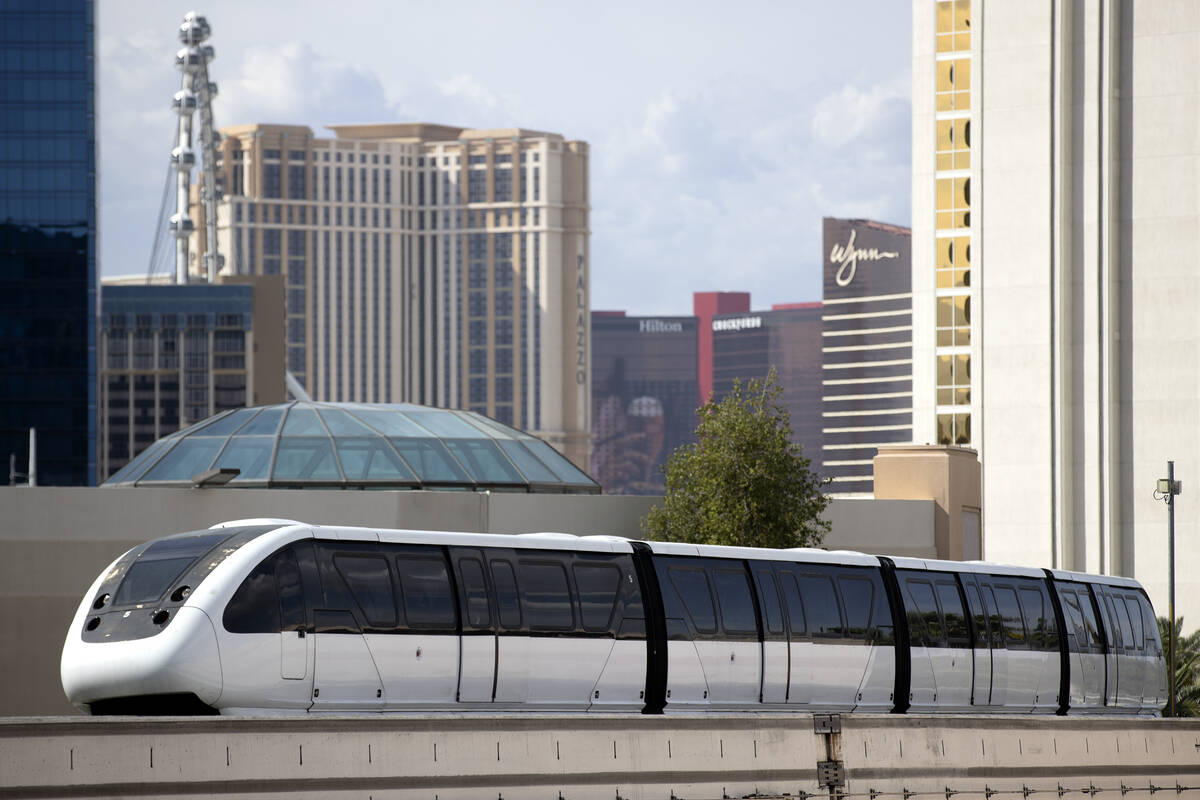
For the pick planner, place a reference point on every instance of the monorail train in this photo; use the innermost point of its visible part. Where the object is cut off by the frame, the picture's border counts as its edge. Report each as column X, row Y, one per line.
column 275, row 616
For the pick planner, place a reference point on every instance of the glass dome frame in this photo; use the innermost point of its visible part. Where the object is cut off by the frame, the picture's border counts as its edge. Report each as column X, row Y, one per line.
column 315, row 445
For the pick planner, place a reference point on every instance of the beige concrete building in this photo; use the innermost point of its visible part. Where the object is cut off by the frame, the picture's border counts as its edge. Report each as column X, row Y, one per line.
column 423, row 263
column 1056, row 148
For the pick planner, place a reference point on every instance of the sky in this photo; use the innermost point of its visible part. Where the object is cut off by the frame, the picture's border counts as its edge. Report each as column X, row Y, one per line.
column 720, row 133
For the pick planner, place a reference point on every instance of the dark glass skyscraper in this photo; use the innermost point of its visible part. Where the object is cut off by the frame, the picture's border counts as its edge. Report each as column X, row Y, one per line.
column 48, row 270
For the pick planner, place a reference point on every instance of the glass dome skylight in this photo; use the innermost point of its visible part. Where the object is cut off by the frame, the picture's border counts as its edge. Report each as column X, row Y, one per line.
column 356, row 446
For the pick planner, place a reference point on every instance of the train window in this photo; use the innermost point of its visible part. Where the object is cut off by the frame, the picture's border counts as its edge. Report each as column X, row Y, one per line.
column 735, row 601
column 858, row 594
column 923, row 616
column 821, row 606
column 1150, row 625
column 975, row 609
column 507, row 599
column 692, row 585
column 953, row 614
column 795, row 606
column 1077, row 639
column 546, row 597
column 254, row 607
column 995, row 625
column 768, row 597
column 1010, row 616
column 291, row 592
column 475, row 593
column 370, row 583
column 1135, row 616
column 1090, row 626
column 598, row 586
column 425, row 587
column 1033, row 608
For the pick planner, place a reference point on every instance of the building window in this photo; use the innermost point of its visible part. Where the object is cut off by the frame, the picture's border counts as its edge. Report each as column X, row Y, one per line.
column 477, row 186
column 954, row 84
column 953, row 26
column 272, row 182
column 296, row 182
column 503, row 185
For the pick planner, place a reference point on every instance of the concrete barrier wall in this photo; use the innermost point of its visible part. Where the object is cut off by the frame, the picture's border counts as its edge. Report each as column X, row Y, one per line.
column 599, row 756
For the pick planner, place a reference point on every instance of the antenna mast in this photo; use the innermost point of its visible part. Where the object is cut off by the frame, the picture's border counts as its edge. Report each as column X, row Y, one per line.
column 196, row 93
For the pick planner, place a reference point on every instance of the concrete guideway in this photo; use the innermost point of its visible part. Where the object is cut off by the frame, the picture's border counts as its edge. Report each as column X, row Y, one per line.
column 597, row 756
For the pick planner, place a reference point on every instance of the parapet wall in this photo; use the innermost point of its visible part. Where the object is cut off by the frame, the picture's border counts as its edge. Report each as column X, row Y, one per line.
column 600, row 756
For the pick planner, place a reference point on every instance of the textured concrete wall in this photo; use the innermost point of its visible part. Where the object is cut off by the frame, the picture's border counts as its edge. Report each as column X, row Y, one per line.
column 599, row 756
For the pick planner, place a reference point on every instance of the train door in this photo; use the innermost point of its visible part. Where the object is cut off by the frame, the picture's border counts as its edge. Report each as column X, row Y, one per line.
column 800, row 644
column 868, row 621
column 690, row 616
column 358, row 595
column 953, row 670
column 1020, row 666
column 477, row 644
column 981, row 645
column 420, row 667
column 1044, row 655
column 1136, row 647
column 293, row 664
column 1086, row 658
column 774, row 688
column 733, row 661
column 925, row 636
column 1112, row 646
column 833, row 654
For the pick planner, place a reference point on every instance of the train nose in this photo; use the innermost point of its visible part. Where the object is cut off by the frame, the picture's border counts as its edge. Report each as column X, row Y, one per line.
column 181, row 659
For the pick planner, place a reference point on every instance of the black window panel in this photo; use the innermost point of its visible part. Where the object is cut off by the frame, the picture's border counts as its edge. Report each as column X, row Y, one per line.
column 1149, row 625
column 425, row 588
column 980, row 635
column 1010, row 617
column 291, row 591
column 1135, row 616
column 507, row 598
column 254, row 607
column 953, row 614
column 995, row 626
column 735, row 601
column 599, row 586
column 1122, row 614
column 146, row 581
column 474, row 591
column 692, row 585
column 858, row 595
column 924, row 619
column 1073, row 616
column 768, row 598
column 1090, row 625
column 821, row 606
column 1033, row 610
column 370, row 583
column 546, row 596
column 797, row 622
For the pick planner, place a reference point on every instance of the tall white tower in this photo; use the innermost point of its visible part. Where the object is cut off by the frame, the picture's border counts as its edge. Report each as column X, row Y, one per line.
column 195, row 94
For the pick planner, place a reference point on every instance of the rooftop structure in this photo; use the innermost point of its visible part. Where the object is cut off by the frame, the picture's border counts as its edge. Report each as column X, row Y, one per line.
column 356, row 446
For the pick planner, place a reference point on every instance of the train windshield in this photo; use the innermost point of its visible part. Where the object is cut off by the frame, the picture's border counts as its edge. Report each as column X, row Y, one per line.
column 160, row 564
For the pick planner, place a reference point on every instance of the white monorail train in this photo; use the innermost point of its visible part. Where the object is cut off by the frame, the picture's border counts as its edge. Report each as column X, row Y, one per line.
column 273, row 616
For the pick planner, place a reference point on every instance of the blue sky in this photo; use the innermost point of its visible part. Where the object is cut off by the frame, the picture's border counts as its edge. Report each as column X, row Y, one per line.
column 720, row 133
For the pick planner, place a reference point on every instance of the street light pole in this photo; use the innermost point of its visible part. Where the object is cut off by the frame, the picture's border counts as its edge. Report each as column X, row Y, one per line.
column 1170, row 488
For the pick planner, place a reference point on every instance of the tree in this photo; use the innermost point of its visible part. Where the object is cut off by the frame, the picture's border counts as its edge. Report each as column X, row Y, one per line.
column 1187, row 668
column 743, row 482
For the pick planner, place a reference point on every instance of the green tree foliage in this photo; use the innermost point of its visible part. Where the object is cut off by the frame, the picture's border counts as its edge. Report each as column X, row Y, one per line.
column 743, row 482
column 1187, row 668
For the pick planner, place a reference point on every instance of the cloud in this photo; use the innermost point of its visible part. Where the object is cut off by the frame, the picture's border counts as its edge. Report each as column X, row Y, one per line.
column 841, row 118
column 466, row 88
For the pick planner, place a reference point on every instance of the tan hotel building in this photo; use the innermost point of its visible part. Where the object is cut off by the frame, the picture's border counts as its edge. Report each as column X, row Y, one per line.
column 1056, row 222
column 423, row 263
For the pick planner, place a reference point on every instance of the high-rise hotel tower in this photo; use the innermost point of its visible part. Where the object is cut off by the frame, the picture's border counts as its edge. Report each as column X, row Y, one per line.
column 423, row 263
column 1056, row 221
